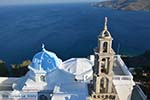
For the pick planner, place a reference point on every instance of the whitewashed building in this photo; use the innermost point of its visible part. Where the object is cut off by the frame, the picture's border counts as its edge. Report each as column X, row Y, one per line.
column 49, row 78
column 45, row 80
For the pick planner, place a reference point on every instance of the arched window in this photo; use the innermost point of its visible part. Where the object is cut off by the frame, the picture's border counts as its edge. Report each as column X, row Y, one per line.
column 105, row 47
column 43, row 78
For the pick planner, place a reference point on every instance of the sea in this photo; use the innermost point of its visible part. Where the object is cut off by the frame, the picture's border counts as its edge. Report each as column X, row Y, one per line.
column 69, row 30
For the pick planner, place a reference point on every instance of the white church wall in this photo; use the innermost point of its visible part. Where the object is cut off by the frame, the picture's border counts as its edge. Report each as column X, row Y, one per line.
column 124, row 91
column 123, row 83
column 7, row 80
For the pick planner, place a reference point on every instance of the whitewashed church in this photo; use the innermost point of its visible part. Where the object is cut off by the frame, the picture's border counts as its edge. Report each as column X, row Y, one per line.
column 104, row 76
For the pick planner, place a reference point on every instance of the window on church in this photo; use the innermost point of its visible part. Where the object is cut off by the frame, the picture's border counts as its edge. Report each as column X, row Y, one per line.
column 102, row 85
column 98, row 96
column 103, row 70
column 42, row 77
column 94, row 96
column 106, row 96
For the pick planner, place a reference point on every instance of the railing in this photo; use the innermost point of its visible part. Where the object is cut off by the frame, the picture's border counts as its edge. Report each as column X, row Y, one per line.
column 122, row 78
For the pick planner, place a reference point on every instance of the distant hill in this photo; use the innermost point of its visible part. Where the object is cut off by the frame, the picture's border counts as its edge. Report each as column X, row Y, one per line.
column 134, row 5
column 3, row 69
column 142, row 60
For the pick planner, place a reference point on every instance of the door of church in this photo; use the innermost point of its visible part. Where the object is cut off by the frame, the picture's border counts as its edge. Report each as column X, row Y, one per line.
column 44, row 95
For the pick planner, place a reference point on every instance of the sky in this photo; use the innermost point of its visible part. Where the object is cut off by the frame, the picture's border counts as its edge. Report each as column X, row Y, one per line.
column 19, row 2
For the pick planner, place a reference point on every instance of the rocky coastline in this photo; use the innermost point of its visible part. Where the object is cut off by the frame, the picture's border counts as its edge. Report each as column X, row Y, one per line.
column 128, row 5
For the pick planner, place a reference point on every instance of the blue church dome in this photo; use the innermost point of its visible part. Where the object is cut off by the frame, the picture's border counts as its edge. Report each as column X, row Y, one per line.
column 45, row 61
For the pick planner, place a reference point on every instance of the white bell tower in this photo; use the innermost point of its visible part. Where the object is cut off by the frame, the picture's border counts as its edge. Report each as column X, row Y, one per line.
column 104, row 58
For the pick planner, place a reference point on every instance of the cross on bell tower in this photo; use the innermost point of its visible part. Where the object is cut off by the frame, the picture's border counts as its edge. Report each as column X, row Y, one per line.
column 104, row 59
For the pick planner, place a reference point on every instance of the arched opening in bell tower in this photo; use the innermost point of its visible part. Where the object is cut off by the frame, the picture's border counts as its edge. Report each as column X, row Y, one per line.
column 103, row 85
column 103, row 65
column 105, row 47
column 106, row 34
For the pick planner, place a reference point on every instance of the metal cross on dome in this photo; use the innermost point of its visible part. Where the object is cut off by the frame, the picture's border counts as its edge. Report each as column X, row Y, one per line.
column 43, row 46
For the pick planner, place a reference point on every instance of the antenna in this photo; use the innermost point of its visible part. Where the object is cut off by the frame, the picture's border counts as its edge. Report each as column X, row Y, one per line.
column 118, row 48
